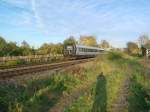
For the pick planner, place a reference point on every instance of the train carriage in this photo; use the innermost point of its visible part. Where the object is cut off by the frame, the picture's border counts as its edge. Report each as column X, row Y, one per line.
column 81, row 51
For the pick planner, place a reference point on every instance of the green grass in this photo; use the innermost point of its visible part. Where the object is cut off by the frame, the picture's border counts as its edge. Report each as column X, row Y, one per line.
column 42, row 93
column 139, row 94
column 100, row 96
column 30, row 61
column 117, row 67
column 34, row 92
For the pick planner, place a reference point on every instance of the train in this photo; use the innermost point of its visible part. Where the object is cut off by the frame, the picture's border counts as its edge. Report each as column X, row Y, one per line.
column 81, row 51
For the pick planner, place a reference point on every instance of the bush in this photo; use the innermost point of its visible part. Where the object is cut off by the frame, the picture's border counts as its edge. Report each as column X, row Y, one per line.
column 113, row 56
column 15, row 62
column 139, row 96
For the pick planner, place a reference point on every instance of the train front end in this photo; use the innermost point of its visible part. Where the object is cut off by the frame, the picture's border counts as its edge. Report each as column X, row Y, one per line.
column 69, row 51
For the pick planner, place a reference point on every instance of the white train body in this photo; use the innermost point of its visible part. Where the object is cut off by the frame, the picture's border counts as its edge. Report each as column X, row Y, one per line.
column 81, row 51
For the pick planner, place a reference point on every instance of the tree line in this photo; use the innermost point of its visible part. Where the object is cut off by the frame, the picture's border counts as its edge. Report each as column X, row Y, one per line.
column 13, row 49
column 134, row 48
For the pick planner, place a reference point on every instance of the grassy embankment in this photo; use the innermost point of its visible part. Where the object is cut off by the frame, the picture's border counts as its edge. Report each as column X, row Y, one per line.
column 42, row 93
column 117, row 67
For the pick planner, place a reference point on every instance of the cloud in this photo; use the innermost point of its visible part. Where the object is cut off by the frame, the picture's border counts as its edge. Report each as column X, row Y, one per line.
column 37, row 18
column 83, row 16
column 107, row 19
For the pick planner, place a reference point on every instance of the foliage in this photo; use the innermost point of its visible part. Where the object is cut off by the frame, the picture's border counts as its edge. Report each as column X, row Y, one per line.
column 139, row 95
column 69, row 41
column 12, row 49
column 116, row 66
column 88, row 40
column 104, row 44
column 50, row 49
column 3, row 46
column 132, row 48
column 40, row 93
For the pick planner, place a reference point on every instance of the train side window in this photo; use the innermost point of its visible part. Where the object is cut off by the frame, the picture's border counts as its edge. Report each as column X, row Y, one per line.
column 80, row 49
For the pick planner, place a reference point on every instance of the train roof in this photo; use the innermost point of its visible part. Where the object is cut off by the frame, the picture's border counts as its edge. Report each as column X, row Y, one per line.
column 89, row 47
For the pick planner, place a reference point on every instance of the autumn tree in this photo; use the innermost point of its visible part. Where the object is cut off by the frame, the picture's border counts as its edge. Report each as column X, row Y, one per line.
column 50, row 48
column 88, row 40
column 132, row 48
column 58, row 48
column 44, row 49
column 104, row 44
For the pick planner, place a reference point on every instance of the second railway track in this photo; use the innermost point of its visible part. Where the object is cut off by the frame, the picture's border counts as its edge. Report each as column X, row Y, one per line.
column 13, row 72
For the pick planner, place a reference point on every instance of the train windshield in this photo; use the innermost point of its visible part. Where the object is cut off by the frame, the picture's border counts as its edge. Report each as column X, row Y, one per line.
column 69, row 48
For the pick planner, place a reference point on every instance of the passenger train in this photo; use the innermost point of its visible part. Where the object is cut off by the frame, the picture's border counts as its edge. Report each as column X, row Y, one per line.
column 81, row 51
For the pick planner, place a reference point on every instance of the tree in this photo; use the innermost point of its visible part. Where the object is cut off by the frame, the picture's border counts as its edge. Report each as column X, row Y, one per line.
column 44, row 49
column 50, row 48
column 143, row 39
column 3, row 46
column 104, row 44
column 26, row 49
column 25, row 44
column 70, row 41
column 132, row 48
column 58, row 48
column 88, row 40
column 13, row 49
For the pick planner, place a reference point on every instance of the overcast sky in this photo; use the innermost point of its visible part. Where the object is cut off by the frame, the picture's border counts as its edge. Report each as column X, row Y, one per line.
column 39, row 21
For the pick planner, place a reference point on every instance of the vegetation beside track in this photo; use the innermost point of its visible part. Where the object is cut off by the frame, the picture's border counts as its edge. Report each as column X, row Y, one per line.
column 43, row 93
column 30, row 61
column 117, row 67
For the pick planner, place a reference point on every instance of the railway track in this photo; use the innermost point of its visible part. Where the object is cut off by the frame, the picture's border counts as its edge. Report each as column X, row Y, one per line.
column 13, row 72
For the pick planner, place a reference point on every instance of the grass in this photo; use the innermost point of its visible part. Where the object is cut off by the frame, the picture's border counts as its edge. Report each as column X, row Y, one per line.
column 100, row 96
column 42, row 93
column 117, row 67
column 139, row 94
column 30, row 61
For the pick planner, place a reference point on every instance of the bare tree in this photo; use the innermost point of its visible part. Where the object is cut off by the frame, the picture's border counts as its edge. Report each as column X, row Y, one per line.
column 143, row 39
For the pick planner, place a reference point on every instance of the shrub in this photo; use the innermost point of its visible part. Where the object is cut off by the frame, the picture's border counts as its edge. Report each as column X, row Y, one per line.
column 139, row 97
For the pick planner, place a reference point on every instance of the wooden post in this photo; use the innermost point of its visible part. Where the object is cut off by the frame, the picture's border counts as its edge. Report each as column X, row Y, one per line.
column 147, row 53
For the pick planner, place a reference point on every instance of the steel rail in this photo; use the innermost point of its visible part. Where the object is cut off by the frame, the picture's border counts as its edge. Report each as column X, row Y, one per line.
column 13, row 72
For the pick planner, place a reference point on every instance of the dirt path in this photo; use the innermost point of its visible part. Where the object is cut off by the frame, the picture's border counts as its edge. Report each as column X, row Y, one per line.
column 120, row 104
